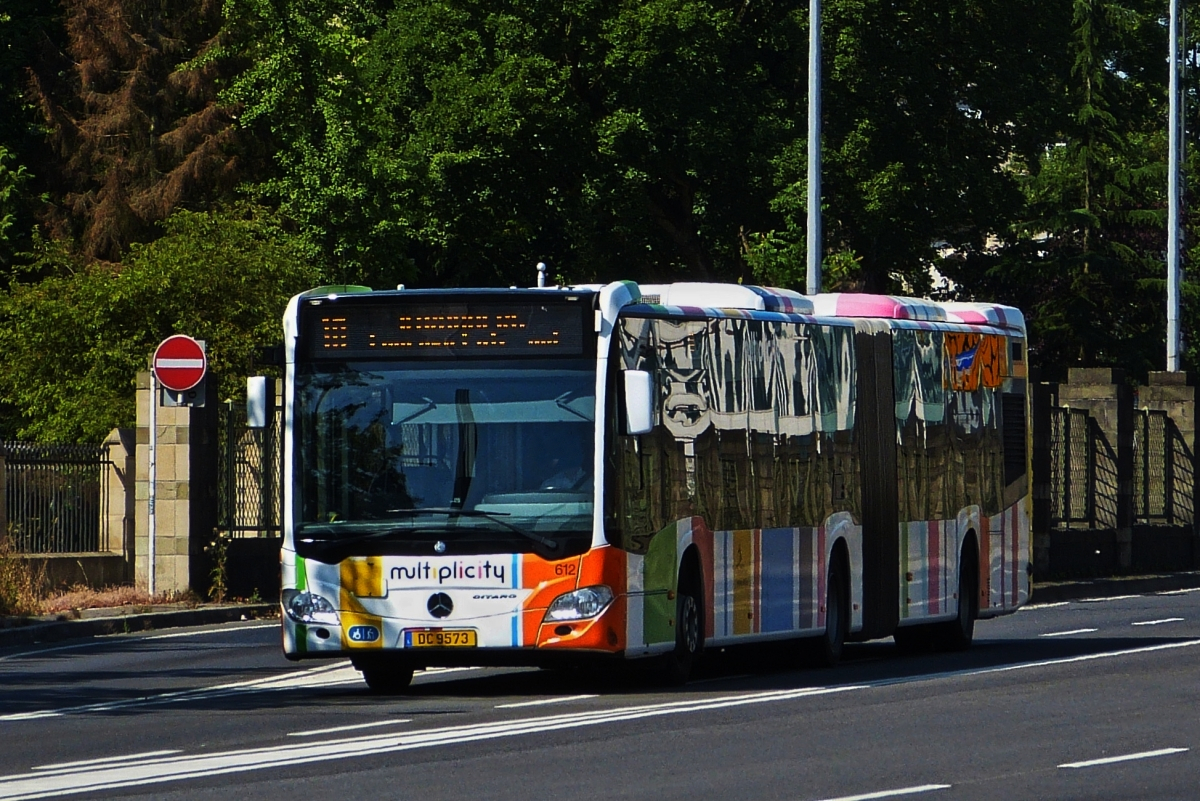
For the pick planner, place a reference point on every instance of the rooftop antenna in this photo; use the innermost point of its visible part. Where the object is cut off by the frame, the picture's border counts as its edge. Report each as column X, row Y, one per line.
column 541, row 268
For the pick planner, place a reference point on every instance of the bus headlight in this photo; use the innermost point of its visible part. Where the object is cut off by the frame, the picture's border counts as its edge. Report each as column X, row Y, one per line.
column 581, row 604
column 305, row 607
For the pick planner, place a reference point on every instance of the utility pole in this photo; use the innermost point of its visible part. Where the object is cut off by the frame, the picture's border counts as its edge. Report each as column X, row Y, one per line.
column 814, row 147
column 1174, row 146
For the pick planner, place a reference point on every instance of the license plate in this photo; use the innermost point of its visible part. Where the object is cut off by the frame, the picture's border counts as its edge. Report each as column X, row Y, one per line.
column 443, row 638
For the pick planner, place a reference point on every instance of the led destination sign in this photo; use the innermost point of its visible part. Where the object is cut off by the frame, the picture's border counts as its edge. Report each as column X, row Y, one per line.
column 345, row 331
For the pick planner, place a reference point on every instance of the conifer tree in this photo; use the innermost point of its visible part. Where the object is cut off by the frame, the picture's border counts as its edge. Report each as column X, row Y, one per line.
column 137, row 132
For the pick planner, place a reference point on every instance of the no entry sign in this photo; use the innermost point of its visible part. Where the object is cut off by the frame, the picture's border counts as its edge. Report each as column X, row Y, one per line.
column 179, row 363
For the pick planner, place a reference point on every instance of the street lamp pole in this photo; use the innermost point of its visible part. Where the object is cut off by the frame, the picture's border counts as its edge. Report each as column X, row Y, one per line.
column 814, row 147
column 1173, row 180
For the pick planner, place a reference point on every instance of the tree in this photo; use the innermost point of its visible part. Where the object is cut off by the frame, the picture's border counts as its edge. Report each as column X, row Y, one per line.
column 1086, row 260
column 72, row 343
column 471, row 140
column 136, row 128
column 11, row 182
column 925, row 103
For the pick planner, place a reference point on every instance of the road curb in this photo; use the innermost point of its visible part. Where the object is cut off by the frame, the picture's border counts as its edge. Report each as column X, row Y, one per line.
column 1106, row 587
column 57, row 630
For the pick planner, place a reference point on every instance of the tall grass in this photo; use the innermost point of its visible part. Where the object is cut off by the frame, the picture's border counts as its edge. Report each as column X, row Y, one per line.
column 22, row 585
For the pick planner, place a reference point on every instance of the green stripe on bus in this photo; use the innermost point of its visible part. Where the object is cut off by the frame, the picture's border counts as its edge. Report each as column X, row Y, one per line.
column 301, row 574
column 658, row 611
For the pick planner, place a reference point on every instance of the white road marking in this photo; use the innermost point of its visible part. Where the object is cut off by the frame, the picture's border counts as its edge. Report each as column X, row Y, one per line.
column 106, row 760
column 543, row 701
column 1179, row 592
column 48, row 784
column 1091, row 763
column 924, row 788
column 1030, row 607
column 1159, row 622
column 1067, row 633
column 323, row 676
column 177, row 634
column 352, row 727
column 1067, row 660
column 1109, row 598
column 109, row 639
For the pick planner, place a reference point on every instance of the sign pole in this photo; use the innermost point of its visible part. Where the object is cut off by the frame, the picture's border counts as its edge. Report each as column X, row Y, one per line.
column 153, row 493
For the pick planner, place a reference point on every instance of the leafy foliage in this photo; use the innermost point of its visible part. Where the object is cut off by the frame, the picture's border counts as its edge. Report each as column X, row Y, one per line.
column 71, row 344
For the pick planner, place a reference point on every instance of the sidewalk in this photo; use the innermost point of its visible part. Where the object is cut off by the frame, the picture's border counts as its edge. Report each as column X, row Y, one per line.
column 125, row 619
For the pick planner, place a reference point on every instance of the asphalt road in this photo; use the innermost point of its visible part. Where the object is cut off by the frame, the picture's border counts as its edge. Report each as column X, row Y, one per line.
column 1087, row 699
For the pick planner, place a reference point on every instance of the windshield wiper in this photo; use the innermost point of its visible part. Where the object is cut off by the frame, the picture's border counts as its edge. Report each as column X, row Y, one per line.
column 492, row 516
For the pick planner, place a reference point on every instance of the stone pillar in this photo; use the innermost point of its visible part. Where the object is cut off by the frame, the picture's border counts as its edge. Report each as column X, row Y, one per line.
column 118, row 481
column 186, row 504
column 1175, row 394
column 1109, row 400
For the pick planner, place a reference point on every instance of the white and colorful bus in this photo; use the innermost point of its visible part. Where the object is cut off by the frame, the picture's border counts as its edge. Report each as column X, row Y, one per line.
column 554, row 475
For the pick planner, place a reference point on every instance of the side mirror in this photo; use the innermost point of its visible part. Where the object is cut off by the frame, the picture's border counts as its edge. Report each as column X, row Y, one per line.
column 256, row 401
column 639, row 402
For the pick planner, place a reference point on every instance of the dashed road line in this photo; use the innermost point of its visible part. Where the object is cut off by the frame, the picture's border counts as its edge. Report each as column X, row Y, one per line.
column 1159, row 622
column 1091, row 763
column 924, row 788
column 85, row 763
column 1109, row 598
column 1067, row 633
column 543, row 701
column 1048, row 605
column 351, row 727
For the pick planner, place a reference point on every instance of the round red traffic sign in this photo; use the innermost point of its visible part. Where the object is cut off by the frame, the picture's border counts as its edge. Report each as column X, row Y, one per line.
column 179, row 363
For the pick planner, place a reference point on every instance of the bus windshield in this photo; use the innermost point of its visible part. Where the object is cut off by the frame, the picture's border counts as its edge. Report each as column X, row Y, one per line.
column 453, row 457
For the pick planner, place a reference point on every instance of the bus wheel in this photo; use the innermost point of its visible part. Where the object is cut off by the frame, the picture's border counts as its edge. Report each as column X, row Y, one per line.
column 385, row 677
column 689, row 633
column 826, row 650
column 957, row 634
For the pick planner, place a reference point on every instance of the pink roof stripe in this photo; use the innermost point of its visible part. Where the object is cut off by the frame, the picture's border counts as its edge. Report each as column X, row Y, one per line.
column 886, row 306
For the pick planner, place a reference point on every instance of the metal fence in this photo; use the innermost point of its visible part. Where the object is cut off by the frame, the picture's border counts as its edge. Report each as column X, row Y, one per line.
column 1163, row 471
column 1083, row 472
column 56, row 497
column 249, row 481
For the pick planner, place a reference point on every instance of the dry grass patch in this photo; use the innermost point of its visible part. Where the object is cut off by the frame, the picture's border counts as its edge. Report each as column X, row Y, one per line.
column 85, row 598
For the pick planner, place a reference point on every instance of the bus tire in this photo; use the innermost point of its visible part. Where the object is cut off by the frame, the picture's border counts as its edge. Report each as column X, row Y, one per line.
column 689, row 630
column 957, row 634
column 385, row 677
column 826, row 650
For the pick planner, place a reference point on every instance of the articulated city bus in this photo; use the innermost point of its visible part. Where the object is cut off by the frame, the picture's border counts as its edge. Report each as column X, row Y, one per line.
column 557, row 475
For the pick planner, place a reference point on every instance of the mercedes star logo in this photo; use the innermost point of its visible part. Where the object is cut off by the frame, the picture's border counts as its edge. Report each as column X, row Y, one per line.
column 439, row 546
column 440, row 605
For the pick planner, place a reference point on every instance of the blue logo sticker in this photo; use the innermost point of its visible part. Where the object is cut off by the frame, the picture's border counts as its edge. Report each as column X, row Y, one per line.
column 363, row 634
column 964, row 360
